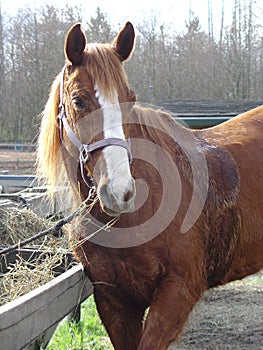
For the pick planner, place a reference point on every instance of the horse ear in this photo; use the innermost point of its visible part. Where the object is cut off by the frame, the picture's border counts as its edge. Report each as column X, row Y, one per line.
column 75, row 44
column 124, row 42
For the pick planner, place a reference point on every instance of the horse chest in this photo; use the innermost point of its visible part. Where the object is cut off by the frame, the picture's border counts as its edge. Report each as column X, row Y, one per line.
column 133, row 277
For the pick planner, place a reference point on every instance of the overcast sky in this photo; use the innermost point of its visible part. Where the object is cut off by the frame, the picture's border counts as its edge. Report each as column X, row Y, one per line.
column 169, row 12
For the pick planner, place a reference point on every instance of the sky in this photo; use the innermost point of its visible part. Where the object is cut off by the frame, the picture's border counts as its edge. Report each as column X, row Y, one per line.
column 171, row 13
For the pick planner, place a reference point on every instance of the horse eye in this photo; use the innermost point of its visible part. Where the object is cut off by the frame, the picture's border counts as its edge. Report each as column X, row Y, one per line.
column 79, row 103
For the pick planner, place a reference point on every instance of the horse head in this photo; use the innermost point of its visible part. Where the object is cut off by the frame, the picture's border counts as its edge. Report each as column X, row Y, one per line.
column 95, row 102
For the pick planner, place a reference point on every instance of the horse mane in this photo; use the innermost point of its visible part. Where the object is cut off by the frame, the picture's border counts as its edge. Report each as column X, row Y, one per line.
column 174, row 138
column 155, row 124
column 49, row 161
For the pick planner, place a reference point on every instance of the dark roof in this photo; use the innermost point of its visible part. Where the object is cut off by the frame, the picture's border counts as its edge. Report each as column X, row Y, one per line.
column 211, row 108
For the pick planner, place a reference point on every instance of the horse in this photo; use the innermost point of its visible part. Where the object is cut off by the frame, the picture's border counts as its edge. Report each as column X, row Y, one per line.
column 174, row 211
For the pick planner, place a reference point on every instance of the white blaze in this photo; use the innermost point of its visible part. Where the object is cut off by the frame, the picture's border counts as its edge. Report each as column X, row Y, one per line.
column 116, row 157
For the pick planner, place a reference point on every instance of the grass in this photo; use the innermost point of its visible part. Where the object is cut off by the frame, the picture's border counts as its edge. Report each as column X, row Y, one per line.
column 88, row 334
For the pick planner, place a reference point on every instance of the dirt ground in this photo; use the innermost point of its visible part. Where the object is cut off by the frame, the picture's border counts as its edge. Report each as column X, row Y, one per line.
column 227, row 318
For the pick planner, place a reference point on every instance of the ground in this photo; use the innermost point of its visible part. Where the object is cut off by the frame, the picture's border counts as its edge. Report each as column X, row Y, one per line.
column 227, row 318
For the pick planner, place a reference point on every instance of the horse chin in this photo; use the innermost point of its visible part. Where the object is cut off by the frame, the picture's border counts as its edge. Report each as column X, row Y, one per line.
column 113, row 213
column 110, row 212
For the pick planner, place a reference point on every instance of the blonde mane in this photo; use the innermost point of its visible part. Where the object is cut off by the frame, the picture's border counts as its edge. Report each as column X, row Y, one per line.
column 49, row 159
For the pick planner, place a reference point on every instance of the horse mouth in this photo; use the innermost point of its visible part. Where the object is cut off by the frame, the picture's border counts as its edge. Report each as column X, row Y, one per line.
column 114, row 213
column 110, row 212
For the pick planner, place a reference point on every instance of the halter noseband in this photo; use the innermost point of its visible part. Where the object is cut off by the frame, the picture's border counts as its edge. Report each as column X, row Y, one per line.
column 85, row 149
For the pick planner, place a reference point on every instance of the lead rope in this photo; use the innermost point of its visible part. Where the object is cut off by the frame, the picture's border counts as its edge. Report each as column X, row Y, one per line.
column 88, row 181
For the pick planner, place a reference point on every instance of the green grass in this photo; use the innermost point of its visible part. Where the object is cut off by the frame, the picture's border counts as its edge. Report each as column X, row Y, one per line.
column 88, row 334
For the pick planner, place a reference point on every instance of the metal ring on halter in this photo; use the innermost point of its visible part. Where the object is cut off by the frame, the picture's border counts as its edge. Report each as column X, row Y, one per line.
column 84, row 154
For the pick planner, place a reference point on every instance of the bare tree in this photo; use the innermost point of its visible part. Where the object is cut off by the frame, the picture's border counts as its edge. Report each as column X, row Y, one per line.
column 210, row 22
column 99, row 29
column 149, row 35
column 165, row 65
column 222, row 23
column 2, row 73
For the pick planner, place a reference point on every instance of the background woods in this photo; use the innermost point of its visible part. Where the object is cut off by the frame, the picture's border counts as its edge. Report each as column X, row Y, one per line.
column 166, row 65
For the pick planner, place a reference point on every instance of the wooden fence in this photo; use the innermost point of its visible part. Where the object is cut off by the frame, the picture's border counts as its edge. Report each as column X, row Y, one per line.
column 18, row 146
column 29, row 321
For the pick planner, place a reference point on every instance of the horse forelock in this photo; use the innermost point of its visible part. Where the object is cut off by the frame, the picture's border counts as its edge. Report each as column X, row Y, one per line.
column 104, row 66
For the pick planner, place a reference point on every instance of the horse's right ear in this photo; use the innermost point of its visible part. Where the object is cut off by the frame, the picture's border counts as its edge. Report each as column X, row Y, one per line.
column 75, row 45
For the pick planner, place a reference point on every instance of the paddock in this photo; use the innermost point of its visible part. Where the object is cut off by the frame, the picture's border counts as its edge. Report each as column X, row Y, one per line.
column 227, row 317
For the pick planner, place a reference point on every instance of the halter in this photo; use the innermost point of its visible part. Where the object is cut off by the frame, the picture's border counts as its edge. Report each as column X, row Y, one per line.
column 85, row 149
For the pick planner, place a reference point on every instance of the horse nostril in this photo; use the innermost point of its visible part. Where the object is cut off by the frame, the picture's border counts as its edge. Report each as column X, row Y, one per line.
column 103, row 192
column 128, row 195
column 104, row 189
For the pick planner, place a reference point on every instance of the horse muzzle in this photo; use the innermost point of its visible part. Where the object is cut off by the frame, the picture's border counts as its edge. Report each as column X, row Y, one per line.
column 116, row 200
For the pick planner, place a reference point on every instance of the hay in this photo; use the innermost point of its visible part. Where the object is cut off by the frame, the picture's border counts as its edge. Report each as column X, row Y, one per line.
column 24, row 276
column 18, row 224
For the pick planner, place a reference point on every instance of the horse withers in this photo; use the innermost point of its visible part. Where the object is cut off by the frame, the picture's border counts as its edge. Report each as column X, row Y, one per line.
column 185, row 207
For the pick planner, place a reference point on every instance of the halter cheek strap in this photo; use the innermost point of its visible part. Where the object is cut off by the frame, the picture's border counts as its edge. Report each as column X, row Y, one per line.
column 85, row 149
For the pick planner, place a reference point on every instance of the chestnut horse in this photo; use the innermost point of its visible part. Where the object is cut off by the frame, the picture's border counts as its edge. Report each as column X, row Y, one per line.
column 186, row 207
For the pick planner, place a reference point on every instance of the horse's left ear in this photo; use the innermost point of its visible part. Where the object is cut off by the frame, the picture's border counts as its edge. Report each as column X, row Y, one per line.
column 75, row 44
column 124, row 42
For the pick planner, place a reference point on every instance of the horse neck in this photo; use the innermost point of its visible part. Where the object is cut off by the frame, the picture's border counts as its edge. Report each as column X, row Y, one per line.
column 160, row 128
column 147, row 119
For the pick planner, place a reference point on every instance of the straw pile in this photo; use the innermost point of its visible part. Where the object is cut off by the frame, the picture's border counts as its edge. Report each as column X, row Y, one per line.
column 24, row 276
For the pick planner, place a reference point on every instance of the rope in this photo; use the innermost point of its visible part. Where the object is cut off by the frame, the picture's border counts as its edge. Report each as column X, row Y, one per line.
column 52, row 230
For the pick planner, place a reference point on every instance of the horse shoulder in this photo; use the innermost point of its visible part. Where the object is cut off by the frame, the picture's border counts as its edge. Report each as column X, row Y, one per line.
column 235, row 205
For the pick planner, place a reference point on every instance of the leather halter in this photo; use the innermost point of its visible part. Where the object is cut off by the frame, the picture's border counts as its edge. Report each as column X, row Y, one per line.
column 85, row 149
